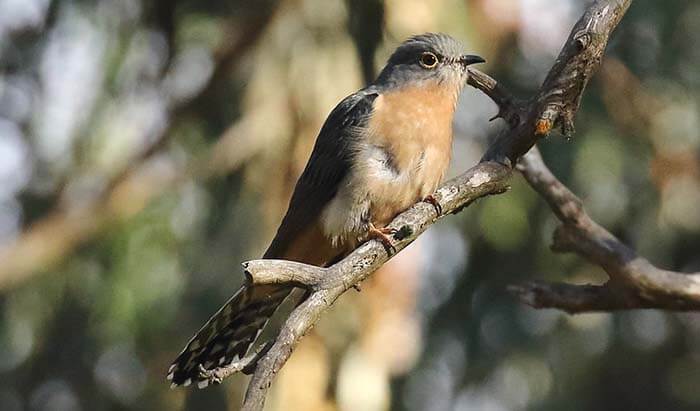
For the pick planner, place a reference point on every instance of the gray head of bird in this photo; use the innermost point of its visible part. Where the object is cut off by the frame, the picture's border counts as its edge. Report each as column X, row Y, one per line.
column 427, row 57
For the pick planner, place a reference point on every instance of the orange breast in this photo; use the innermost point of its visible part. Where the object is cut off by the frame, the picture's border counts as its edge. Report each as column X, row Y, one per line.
column 413, row 127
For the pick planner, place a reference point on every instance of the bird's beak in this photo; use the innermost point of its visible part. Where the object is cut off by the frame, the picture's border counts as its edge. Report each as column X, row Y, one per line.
column 469, row 59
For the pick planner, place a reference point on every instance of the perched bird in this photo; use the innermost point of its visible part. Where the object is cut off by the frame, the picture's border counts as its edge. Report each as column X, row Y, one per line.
column 381, row 150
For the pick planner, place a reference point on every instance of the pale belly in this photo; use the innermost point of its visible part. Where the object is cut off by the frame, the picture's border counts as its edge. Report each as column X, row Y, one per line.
column 376, row 191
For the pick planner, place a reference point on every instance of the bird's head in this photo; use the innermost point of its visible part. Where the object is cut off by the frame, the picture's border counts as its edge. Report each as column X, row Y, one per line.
column 427, row 57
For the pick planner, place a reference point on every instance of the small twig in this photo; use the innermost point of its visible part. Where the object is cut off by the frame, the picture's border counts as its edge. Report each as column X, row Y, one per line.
column 260, row 272
column 510, row 108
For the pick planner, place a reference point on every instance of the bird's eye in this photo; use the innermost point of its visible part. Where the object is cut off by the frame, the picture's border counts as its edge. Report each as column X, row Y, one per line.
column 428, row 60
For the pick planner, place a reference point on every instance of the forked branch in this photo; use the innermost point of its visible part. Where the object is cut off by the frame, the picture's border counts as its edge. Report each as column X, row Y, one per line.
column 633, row 281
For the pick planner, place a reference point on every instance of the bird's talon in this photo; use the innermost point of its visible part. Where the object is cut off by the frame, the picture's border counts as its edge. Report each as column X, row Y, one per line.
column 382, row 234
column 430, row 199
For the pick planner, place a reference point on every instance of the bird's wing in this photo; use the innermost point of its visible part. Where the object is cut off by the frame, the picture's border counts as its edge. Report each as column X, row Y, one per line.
column 328, row 165
column 232, row 330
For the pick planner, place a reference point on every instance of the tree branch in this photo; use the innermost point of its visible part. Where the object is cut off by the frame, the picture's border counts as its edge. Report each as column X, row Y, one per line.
column 571, row 298
column 634, row 281
column 554, row 106
column 261, row 272
column 559, row 97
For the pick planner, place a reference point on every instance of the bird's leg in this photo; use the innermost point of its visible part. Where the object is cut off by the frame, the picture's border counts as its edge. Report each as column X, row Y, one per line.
column 382, row 234
column 430, row 199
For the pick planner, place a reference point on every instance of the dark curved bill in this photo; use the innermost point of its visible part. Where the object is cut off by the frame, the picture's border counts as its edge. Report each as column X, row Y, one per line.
column 469, row 59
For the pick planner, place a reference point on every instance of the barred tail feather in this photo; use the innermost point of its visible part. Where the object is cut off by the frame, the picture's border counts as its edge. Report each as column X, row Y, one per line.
column 228, row 334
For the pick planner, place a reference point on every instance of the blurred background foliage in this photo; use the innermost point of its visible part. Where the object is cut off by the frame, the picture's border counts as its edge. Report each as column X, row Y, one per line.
column 147, row 147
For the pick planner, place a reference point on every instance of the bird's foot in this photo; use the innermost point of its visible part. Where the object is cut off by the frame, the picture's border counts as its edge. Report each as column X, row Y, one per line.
column 430, row 199
column 383, row 234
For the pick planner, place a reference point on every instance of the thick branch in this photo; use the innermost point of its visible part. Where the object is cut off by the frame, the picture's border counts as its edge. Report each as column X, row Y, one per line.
column 576, row 299
column 586, row 298
column 571, row 298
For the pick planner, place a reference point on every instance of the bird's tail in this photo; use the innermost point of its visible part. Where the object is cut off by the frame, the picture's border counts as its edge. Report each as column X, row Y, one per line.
column 228, row 334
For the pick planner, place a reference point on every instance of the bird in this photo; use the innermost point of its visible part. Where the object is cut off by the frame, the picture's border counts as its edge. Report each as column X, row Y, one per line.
column 380, row 150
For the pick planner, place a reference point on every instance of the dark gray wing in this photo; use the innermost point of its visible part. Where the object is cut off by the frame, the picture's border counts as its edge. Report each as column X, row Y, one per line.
column 329, row 163
column 232, row 330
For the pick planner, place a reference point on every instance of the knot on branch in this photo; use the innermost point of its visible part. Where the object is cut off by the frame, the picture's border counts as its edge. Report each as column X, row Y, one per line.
column 582, row 39
column 561, row 240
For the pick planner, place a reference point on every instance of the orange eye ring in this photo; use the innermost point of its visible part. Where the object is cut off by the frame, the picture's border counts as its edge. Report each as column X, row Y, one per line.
column 428, row 60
